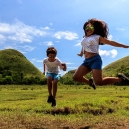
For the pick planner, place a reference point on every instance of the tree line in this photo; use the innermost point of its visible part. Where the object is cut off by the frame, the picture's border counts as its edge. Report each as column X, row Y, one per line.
column 8, row 77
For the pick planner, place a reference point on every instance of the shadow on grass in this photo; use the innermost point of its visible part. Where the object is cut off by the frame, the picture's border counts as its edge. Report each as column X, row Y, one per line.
column 86, row 127
column 38, row 128
column 89, row 110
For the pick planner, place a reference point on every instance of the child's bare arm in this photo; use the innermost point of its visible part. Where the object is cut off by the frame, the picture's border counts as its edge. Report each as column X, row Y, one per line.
column 44, row 68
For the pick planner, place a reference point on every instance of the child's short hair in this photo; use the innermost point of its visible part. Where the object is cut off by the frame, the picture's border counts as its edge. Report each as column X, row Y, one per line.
column 51, row 50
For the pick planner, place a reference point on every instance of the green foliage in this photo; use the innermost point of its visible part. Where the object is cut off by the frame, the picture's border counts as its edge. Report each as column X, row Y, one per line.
column 8, row 80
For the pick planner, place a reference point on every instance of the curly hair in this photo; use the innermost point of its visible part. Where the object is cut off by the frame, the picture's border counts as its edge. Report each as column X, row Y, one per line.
column 51, row 50
column 100, row 27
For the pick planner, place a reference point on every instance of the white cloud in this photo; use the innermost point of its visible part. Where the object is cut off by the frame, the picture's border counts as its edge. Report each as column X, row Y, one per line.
column 72, row 67
column 8, row 47
column 2, row 38
column 48, row 43
column 121, row 29
column 69, row 63
column 27, row 48
column 66, row 35
column 35, row 60
column 20, row 32
column 51, row 24
column 110, row 37
column 46, row 28
column 112, row 53
column 78, row 44
column 21, row 37
column 22, row 49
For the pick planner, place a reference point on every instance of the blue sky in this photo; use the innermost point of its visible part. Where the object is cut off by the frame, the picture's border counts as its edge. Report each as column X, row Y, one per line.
column 30, row 26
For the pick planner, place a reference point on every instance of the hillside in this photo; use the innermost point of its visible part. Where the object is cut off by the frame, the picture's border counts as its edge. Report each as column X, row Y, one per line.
column 13, row 63
column 121, row 65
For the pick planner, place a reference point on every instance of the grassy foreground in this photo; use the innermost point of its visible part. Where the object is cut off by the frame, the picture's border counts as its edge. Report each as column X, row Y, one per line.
column 78, row 107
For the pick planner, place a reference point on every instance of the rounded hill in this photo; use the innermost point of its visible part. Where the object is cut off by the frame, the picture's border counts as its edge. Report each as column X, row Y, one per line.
column 13, row 63
column 119, row 66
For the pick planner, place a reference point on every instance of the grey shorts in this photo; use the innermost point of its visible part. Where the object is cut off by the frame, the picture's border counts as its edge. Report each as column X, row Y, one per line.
column 94, row 62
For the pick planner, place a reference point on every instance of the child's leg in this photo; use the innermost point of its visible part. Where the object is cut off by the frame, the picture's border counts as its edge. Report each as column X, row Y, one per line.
column 55, row 81
column 49, row 84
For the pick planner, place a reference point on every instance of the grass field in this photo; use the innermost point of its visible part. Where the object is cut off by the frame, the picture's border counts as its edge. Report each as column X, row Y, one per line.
column 78, row 107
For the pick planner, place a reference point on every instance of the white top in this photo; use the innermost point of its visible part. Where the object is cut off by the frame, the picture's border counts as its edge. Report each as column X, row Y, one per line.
column 53, row 67
column 91, row 44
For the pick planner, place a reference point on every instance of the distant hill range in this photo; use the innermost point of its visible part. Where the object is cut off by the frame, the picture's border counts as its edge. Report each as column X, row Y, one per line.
column 16, row 68
column 119, row 66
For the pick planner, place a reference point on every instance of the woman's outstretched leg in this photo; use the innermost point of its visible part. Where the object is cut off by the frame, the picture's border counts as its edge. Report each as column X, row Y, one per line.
column 99, row 80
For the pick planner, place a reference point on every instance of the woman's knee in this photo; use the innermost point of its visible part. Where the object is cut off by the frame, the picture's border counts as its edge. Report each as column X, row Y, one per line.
column 75, row 78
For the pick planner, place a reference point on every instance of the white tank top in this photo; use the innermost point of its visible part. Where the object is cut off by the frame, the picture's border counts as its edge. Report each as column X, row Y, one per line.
column 91, row 44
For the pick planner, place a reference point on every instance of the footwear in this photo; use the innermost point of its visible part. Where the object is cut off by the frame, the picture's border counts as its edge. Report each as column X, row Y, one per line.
column 53, row 103
column 92, row 83
column 123, row 77
column 50, row 98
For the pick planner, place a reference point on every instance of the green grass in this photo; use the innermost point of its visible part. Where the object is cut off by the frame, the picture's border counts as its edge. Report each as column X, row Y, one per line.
column 80, row 107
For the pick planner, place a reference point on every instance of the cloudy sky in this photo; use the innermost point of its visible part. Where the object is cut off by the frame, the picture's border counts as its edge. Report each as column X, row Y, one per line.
column 30, row 26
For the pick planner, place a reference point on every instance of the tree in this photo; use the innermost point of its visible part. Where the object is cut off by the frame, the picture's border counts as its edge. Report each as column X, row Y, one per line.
column 8, row 80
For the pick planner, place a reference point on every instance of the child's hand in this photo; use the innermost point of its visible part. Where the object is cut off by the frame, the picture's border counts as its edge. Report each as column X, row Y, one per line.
column 64, row 67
